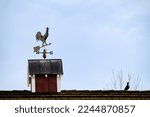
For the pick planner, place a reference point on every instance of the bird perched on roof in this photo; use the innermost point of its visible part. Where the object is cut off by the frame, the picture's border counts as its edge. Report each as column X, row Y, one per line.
column 127, row 87
column 41, row 37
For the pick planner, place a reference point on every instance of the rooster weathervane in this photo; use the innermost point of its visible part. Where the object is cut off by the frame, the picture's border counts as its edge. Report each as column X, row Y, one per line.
column 42, row 38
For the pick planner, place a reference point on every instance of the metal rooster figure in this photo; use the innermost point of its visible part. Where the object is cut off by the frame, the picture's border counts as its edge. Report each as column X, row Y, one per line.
column 42, row 38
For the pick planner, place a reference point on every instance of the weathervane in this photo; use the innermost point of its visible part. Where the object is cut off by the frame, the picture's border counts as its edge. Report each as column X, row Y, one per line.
column 42, row 38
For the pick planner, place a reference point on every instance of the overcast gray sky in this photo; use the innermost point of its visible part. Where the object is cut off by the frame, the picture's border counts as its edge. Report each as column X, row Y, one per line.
column 93, row 38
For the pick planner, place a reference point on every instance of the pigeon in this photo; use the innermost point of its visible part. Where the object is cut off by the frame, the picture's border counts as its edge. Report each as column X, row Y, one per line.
column 127, row 87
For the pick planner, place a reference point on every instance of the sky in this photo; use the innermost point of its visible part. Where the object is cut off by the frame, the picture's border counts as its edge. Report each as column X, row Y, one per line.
column 96, row 40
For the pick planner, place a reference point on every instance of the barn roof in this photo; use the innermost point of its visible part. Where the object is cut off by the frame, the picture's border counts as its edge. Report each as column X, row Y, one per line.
column 77, row 95
column 45, row 66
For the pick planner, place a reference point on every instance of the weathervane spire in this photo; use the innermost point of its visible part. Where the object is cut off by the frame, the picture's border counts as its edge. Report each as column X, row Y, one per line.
column 42, row 38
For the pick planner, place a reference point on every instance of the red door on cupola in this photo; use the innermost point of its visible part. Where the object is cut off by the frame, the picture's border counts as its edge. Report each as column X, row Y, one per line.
column 46, row 84
column 52, row 83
